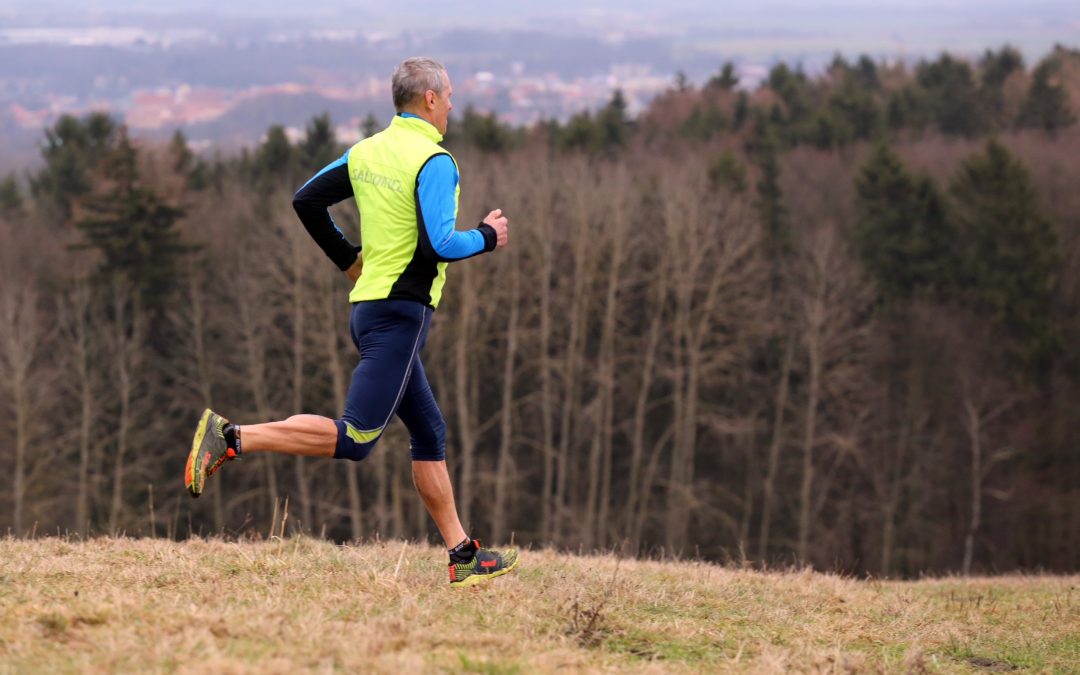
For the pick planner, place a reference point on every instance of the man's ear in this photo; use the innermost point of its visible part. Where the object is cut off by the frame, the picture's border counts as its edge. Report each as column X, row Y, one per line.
column 429, row 96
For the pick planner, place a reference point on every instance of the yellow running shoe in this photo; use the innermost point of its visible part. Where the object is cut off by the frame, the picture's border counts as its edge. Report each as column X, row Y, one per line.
column 485, row 565
column 209, row 451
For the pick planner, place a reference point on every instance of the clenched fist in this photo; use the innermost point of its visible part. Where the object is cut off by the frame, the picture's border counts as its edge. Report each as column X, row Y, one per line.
column 498, row 222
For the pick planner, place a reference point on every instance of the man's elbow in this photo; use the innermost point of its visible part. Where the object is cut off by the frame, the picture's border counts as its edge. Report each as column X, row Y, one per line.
column 301, row 204
column 440, row 249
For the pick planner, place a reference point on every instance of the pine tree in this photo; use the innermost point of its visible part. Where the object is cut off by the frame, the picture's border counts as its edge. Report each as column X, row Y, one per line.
column 856, row 111
column 1047, row 104
column 1010, row 252
column 181, row 154
column 952, row 98
column 727, row 172
column 865, row 74
column 319, row 146
column 614, row 125
column 133, row 229
column 484, row 132
column 72, row 151
column 778, row 237
column 791, row 87
column 10, row 197
column 742, row 110
column 370, row 126
column 274, row 157
column 901, row 230
column 996, row 67
column 727, row 80
column 907, row 109
column 580, row 133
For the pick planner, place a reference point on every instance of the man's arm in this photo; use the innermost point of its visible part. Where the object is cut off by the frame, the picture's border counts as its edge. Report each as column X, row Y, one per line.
column 437, row 215
column 312, row 203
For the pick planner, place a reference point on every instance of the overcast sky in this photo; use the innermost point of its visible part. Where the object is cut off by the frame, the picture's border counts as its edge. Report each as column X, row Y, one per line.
column 755, row 28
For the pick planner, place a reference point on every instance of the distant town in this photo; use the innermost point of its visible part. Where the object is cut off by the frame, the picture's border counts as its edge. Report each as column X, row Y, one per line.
column 224, row 78
column 157, row 81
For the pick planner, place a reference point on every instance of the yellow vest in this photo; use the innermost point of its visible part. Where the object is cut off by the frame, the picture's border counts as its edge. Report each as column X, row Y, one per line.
column 384, row 170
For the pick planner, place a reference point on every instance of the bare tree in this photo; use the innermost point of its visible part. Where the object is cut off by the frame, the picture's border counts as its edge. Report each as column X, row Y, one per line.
column 775, row 443
column 21, row 332
column 713, row 273
column 579, row 191
column 253, row 313
column 641, row 478
column 126, row 343
column 983, row 405
column 831, row 303
column 616, row 227
column 506, row 416
column 77, row 317
column 544, row 232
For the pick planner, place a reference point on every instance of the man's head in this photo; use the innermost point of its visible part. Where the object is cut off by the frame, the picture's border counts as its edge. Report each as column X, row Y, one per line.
column 422, row 86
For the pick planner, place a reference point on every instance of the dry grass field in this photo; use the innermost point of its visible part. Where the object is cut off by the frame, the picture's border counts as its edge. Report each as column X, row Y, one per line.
column 304, row 605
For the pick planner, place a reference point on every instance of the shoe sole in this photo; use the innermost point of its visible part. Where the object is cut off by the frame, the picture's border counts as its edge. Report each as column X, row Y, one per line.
column 194, row 466
column 476, row 579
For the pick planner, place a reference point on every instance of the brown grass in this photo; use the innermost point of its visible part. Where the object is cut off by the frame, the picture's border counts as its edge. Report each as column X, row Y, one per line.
column 153, row 605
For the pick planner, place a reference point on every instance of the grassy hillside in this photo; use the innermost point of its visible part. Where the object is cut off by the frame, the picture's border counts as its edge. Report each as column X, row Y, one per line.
column 303, row 604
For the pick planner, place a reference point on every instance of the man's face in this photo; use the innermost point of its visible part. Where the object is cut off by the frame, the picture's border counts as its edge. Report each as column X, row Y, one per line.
column 440, row 105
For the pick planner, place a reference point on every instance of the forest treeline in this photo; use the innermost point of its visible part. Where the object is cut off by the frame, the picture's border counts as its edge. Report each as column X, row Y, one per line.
column 830, row 320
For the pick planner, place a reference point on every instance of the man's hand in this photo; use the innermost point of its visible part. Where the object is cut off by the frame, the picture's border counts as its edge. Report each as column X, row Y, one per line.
column 498, row 222
column 354, row 270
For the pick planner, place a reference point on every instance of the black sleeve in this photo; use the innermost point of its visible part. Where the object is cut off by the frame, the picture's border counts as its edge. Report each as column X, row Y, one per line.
column 490, row 238
column 312, row 203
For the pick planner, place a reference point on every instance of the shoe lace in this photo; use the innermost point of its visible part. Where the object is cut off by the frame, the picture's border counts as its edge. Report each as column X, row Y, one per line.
column 226, row 456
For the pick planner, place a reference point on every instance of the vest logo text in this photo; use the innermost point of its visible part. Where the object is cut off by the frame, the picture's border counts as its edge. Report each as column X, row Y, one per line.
column 377, row 179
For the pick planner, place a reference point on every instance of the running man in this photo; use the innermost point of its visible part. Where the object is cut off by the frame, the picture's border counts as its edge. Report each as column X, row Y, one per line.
column 406, row 187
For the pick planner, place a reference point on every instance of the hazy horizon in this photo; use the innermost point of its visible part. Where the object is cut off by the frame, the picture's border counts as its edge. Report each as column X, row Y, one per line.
column 769, row 28
column 227, row 71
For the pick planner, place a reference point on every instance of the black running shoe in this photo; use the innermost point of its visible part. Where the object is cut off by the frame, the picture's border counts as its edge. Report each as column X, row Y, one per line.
column 486, row 564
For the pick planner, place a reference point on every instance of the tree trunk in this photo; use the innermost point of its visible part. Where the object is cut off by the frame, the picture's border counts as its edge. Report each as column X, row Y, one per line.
column 21, row 341
column 196, row 317
column 974, row 430
column 639, row 487
column 128, row 348
column 256, row 368
column 503, row 468
column 547, row 432
column 805, row 492
column 74, row 317
column 571, row 365
column 298, row 326
column 329, row 331
column 769, row 488
column 463, row 373
column 600, row 451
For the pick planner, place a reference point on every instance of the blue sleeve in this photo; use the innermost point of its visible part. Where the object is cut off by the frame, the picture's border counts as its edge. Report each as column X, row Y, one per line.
column 435, row 189
column 312, row 203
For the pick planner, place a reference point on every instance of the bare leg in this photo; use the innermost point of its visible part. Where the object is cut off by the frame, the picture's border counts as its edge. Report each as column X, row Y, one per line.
column 309, row 435
column 432, row 481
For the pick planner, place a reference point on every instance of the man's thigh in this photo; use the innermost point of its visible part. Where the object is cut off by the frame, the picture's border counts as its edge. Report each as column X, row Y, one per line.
column 389, row 335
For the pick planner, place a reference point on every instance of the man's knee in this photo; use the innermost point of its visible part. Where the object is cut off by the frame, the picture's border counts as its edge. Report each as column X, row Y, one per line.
column 430, row 444
column 354, row 443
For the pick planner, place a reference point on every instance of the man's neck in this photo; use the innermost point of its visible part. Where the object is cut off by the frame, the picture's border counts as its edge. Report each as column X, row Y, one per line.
column 411, row 113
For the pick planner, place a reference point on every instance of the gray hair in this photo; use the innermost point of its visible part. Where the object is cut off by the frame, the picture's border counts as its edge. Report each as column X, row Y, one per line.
column 413, row 77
